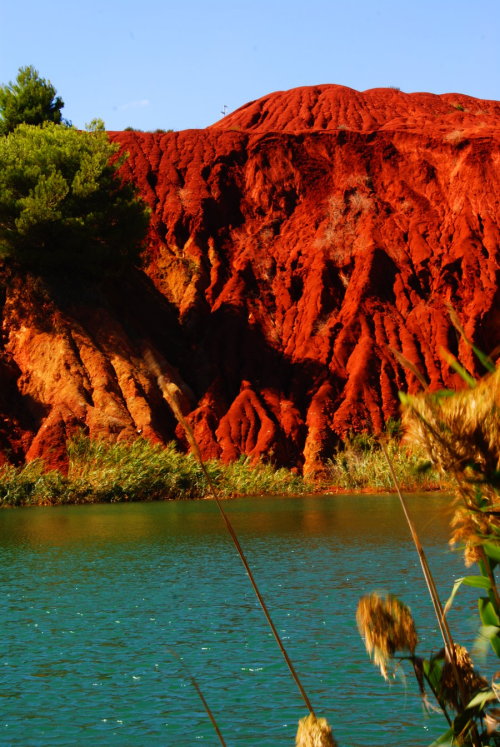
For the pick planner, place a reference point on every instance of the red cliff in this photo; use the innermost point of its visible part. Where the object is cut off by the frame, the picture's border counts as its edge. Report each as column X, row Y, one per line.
column 292, row 245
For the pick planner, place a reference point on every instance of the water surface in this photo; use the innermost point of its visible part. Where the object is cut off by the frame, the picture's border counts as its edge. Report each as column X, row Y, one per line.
column 95, row 599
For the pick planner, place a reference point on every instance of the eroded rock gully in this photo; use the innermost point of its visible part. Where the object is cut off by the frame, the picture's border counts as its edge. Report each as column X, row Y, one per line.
column 292, row 244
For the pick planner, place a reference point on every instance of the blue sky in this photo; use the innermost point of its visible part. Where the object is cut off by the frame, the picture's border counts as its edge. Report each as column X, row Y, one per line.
column 162, row 64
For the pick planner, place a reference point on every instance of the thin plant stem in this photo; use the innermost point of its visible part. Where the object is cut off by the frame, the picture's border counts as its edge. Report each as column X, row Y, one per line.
column 443, row 627
column 264, row 607
column 201, row 696
column 170, row 393
column 436, row 602
column 408, row 364
column 442, row 705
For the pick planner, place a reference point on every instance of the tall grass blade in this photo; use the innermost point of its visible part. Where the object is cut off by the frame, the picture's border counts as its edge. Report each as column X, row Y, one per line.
column 444, row 629
column 170, row 392
column 457, row 323
column 484, row 359
column 405, row 363
column 458, row 368
column 201, row 696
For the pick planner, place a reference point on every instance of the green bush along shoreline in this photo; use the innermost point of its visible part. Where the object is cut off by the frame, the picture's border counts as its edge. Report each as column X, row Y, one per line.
column 103, row 472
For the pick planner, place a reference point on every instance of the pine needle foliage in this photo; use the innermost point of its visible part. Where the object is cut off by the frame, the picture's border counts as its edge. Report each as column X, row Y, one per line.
column 30, row 99
column 63, row 206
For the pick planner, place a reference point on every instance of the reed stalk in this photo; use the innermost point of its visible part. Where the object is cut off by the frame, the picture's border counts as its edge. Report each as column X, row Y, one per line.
column 201, row 696
column 449, row 645
column 171, row 393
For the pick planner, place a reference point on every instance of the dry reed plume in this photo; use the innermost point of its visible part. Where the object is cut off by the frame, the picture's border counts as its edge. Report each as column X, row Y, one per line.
column 460, row 431
column 472, row 681
column 387, row 626
column 314, row 732
column 461, row 434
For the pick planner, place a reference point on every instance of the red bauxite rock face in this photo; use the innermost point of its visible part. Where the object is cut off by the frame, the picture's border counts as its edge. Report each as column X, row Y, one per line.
column 292, row 244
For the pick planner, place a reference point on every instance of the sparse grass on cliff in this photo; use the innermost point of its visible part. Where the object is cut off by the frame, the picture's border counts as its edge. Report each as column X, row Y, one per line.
column 362, row 465
column 102, row 472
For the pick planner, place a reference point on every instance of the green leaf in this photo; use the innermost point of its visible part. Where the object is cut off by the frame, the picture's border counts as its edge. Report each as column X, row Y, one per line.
column 487, row 633
column 479, row 582
column 484, row 359
column 442, row 394
column 481, row 698
column 487, row 612
column 433, row 669
column 445, row 740
column 458, row 368
column 490, row 619
column 492, row 551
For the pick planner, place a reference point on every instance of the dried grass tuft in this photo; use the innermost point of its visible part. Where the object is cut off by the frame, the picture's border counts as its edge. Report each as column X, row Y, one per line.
column 387, row 626
column 314, row 732
column 461, row 429
column 461, row 434
column 469, row 529
column 472, row 681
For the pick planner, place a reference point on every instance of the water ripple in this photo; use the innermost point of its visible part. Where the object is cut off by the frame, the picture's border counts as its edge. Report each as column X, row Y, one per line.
column 96, row 598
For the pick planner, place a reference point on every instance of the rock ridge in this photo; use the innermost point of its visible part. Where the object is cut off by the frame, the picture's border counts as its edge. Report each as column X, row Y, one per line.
column 293, row 245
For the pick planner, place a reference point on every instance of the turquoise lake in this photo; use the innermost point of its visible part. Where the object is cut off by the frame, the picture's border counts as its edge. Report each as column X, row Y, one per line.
column 95, row 599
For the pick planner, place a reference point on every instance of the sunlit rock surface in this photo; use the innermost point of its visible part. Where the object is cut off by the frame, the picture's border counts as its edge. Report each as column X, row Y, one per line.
column 292, row 245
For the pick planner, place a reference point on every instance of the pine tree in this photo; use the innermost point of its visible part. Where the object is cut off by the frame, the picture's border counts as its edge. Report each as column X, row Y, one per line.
column 29, row 100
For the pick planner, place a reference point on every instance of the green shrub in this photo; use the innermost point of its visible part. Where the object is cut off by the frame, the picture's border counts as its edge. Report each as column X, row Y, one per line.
column 63, row 205
column 104, row 472
column 240, row 478
column 134, row 471
column 31, row 484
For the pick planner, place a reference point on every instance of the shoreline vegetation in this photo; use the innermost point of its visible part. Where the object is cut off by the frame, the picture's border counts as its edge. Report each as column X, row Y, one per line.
column 104, row 472
column 460, row 431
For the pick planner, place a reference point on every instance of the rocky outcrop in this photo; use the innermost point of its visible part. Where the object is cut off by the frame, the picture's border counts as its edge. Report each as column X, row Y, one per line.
column 293, row 245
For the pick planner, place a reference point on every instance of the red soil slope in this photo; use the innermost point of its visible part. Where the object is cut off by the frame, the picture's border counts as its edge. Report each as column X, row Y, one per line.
column 292, row 244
